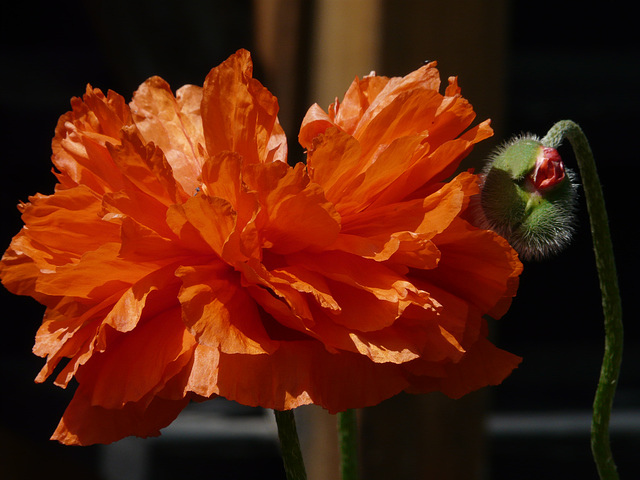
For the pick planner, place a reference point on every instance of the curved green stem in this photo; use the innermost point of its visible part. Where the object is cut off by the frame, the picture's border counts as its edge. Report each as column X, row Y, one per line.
column 348, row 440
column 290, row 445
column 611, row 303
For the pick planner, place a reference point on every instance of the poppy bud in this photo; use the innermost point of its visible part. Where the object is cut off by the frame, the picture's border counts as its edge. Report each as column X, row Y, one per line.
column 528, row 197
column 549, row 169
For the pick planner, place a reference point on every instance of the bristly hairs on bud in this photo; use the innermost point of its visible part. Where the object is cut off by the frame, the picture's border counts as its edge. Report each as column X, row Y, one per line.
column 528, row 197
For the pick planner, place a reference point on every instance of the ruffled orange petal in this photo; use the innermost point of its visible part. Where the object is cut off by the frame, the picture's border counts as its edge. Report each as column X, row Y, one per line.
column 145, row 166
column 140, row 243
column 67, row 332
column 75, row 213
column 483, row 364
column 278, row 298
column 79, row 146
column 222, row 178
column 75, row 330
column 307, row 281
column 436, row 166
column 369, row 176
column 21, row 265
column 219, row 312
column 371, row 295
column 239, row 114
column 98, row 274
column 349, row 113
column 389, row 115
column 367, row 97
column 429, row 216
column 174, row 125
column 201, row 375
column 334, row 163
column 87, row 424
column 138, row 363
column 295, row 214
column 482, row 258
column 303, row 372
column 199, row 210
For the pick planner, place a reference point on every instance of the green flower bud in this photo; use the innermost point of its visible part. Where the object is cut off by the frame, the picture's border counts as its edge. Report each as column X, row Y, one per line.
column 528, row 197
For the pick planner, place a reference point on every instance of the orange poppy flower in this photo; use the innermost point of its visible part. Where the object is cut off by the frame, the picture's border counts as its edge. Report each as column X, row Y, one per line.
column 181, row 258
column 384, row 157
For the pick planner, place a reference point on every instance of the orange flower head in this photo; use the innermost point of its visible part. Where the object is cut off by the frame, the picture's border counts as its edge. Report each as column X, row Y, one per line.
column 181, row 258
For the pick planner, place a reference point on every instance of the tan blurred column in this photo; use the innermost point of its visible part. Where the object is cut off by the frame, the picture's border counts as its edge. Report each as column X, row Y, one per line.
column 282, row 36
column 346, row 43
column 318, row 434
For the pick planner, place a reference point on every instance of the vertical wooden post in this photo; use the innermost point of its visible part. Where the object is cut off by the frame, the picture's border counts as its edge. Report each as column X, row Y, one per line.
column 282, row 35
column 346, row 43
column 319, row 442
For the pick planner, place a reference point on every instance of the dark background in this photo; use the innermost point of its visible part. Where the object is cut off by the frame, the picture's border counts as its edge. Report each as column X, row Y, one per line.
column 560, row 64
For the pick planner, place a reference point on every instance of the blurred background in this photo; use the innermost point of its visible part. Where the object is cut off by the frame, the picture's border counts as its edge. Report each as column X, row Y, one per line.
column 525, row 65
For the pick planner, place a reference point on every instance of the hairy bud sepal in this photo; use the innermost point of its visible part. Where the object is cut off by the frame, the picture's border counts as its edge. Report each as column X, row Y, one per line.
column 529, row 198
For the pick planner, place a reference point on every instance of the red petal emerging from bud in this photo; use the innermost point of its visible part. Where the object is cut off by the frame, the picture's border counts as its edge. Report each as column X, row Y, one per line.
column 549, row 169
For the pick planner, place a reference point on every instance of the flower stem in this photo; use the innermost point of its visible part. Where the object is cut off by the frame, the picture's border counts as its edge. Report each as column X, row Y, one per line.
column 290, row 445
column 611, row 302
column 348, row 439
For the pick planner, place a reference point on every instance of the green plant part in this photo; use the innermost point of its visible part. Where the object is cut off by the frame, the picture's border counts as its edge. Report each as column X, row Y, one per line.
column 528, row 197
